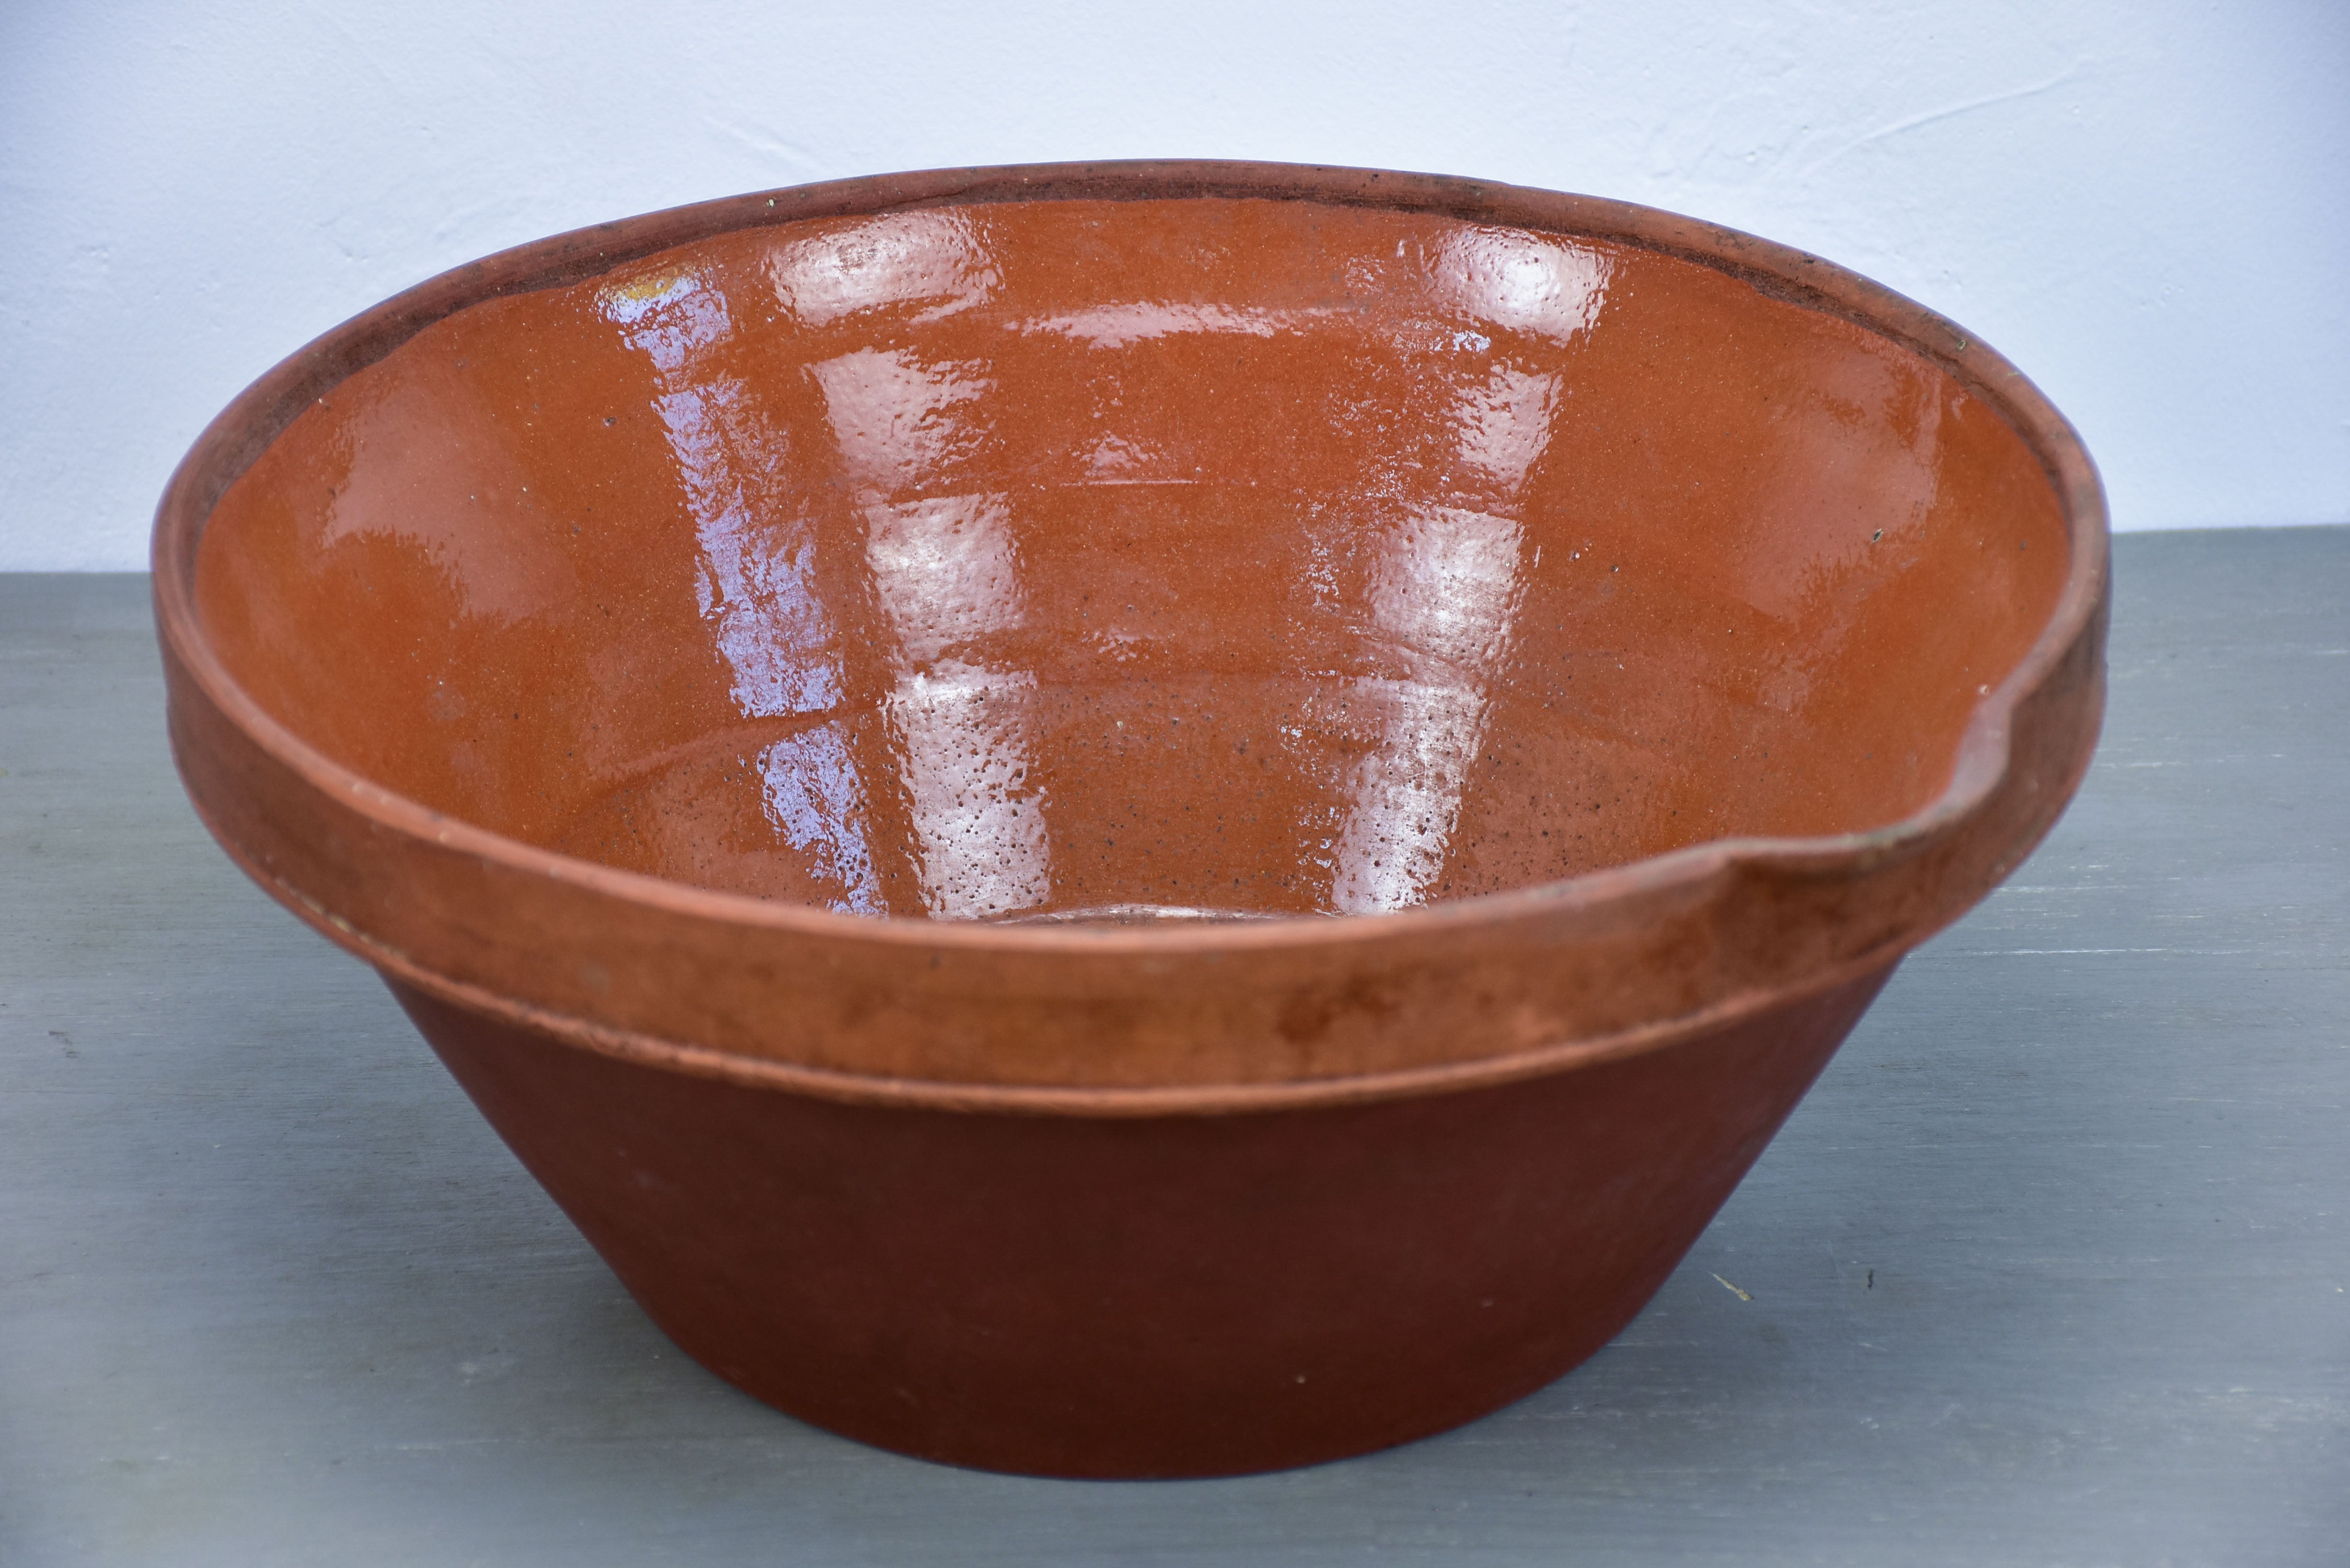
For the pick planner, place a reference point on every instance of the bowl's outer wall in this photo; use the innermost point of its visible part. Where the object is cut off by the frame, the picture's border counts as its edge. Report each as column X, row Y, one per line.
column 1180, row 1295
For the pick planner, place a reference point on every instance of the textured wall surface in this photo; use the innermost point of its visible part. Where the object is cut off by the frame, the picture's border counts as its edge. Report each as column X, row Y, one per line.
column 2141, row 204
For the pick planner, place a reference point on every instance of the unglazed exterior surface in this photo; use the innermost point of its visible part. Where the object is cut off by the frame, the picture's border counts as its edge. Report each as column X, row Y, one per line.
column 1134, row 688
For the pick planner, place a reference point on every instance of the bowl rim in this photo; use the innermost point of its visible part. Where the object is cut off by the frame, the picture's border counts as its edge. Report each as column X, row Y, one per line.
column 252, row 422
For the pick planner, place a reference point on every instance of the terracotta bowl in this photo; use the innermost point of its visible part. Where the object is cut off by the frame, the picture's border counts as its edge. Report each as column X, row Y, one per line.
column 1149, row 820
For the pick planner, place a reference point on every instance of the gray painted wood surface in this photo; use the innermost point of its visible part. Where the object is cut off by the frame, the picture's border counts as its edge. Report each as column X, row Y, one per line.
column 2049, row 1269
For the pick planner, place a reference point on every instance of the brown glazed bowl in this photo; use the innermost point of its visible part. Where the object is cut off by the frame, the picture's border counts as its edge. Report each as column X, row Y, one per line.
column 1139, row 820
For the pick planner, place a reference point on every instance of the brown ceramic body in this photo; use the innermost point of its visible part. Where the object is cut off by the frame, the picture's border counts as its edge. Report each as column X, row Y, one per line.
column 776, row 685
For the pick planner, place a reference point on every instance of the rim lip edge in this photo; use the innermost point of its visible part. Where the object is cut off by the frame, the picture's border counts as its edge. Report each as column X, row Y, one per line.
column 1981, row 762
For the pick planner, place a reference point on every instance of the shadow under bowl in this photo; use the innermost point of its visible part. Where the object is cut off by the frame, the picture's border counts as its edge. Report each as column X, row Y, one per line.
column 1147, row 819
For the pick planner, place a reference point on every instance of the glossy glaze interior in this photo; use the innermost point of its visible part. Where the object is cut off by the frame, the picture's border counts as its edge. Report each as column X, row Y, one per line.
column 1074, row 558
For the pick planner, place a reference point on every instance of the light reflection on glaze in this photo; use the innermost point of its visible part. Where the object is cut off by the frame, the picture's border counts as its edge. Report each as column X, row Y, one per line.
column 810, row 792
column 1117, row 459
column 756, row 583
column 944, row 575
column 931, row 259
column 1503, row 426
column 1448, row 587
column 1451, row 582
column 944, row 571
column 1123, row 325
column 1524, row 283
column 979, row 826
column 897, row 419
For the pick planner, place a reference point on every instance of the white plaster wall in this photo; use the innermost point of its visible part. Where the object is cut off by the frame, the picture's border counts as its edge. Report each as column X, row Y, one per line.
column 2146, row 206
